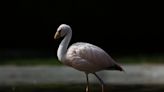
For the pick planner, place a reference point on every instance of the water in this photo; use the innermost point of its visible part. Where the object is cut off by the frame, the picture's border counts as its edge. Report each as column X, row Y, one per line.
column 138, row 78
column 135, row 74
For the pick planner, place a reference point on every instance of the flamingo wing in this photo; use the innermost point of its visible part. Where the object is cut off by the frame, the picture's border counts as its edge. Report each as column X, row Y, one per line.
column 88, row 57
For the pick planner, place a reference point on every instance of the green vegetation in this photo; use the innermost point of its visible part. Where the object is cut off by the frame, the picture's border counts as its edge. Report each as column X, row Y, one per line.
column 154, row 59
column 31, row 61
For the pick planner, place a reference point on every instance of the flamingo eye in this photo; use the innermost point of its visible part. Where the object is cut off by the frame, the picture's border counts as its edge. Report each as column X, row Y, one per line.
column 59, row 32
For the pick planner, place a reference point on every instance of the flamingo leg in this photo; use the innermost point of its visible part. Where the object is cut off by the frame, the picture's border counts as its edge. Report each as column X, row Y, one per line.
column 101, row 81
column 87, row 88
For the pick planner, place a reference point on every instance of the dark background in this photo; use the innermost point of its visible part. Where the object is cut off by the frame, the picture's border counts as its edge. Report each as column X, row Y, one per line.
column 28, row 26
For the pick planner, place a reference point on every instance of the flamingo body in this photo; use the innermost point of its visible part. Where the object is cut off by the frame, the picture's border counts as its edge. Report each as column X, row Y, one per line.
column 82, row 56
column 88, row 58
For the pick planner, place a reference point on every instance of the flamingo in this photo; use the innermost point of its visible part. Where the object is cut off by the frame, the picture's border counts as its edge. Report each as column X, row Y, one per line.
column 83, row 56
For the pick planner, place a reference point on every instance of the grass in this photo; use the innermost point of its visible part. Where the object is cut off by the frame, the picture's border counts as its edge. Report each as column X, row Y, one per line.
column 138, row 59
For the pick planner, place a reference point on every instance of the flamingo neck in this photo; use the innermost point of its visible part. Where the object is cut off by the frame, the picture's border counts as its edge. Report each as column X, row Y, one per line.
column 62, row 50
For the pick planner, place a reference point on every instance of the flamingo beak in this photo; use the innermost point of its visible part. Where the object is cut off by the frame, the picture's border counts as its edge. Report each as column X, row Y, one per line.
column 57, row 35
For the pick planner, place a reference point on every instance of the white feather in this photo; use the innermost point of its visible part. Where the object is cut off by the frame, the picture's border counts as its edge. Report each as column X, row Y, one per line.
column 87, row 57
column 82, row 56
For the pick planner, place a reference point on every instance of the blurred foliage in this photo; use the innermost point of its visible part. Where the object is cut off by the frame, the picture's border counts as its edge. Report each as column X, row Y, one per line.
column 31, row 61
column 154, row 59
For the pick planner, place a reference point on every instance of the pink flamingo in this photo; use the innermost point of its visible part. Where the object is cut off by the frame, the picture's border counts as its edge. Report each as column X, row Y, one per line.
column 83, row 56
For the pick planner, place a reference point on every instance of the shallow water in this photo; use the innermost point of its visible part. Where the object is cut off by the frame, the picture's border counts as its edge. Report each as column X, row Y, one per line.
column 81, row 88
